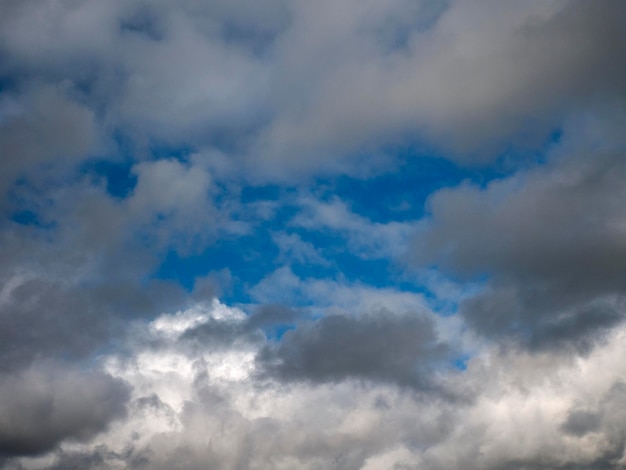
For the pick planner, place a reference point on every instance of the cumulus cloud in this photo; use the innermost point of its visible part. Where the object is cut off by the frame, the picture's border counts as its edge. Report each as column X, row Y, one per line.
column 192, row 406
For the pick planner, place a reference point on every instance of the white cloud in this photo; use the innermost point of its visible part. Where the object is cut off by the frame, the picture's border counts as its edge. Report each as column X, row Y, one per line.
column 172, row 326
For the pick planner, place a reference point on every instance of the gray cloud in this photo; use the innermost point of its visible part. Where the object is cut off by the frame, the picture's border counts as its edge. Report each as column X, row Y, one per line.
column 580, row 423
column 549, row 240
column 378, row 346
column 45, row 405
column 296, row 87
column 41, row 320
column 532, row 318
column 481, row 74
column 42, row 126
column 44, row 319
column 216, row 334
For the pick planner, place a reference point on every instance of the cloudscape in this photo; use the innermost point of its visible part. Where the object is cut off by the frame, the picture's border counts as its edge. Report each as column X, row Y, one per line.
column 313, row 235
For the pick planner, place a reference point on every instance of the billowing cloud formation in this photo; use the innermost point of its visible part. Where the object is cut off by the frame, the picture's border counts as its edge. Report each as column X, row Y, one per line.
column 190, row 407
column 412, row 213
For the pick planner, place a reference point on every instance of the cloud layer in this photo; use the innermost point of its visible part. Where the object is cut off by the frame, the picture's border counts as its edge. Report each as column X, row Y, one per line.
column 382, row 234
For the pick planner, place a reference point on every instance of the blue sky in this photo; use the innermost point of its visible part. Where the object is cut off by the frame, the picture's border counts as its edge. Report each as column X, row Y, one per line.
column 341, row 234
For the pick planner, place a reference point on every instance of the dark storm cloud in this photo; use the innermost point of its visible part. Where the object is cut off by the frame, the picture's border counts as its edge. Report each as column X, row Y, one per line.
column 382, row 347
column 45, row 405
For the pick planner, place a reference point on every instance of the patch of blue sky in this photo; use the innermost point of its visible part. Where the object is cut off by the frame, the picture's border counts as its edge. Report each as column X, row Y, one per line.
column 8, row 83
column 117, row 176
column 25, row 207
column 117, row 172
column 460, row 362
column 269, row 192
column 251, row 258
column 248, row 259
column 376, row 271
column 26, row 217
column 160, row 150
column 399, row 195
column 276, row 331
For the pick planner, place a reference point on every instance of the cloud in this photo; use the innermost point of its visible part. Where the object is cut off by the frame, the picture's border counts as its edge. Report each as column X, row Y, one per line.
column 296, row 88
column 365, row 238
column 171, row 204
column 295, row 250
column 42, row 126
column 191, row 141
column 478, row 76
column 40, row 320
column 47, row 404
column 190, row 406
column 379, row 346
column 283, row 286
column 549, row 240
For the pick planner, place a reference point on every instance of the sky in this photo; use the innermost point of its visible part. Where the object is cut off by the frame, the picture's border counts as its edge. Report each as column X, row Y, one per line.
column 295, row 235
